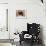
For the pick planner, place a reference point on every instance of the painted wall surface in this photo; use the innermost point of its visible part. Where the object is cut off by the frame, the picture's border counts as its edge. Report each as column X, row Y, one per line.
column 35, row 12
column 3, row 1
column 3, row 21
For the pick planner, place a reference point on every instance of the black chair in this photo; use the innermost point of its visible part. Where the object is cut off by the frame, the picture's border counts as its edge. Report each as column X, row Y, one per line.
column 32, row 29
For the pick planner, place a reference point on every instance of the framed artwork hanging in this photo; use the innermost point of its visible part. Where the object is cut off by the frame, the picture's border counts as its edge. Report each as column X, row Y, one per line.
column 20, row 14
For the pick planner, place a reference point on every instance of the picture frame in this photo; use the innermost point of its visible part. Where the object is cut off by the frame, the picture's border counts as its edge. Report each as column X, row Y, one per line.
column 21, row 14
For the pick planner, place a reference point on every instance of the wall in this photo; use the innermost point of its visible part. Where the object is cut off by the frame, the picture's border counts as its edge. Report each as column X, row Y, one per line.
column 3, row 1
column 4, row 34
column 35, row 12
column 3, row 21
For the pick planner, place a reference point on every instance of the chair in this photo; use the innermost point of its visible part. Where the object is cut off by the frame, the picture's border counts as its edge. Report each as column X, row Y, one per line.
column 33, row 30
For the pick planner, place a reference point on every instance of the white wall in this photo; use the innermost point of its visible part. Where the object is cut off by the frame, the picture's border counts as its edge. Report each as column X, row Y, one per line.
column 4, row 34
column 3, row 21
column 3, row 1
column 35, row 12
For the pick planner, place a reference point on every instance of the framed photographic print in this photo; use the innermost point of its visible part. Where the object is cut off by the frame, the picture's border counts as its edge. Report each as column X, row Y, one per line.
column 20, row 14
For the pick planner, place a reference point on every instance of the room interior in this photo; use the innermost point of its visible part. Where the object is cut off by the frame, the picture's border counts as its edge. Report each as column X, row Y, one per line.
column 15, row 15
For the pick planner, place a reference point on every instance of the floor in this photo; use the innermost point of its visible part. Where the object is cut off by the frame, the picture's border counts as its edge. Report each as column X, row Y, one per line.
column 5, row 44
column 23, row 44
column 26, row 44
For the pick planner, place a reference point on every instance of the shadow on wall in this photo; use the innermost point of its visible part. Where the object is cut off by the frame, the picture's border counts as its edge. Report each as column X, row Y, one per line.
column 41, row 34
